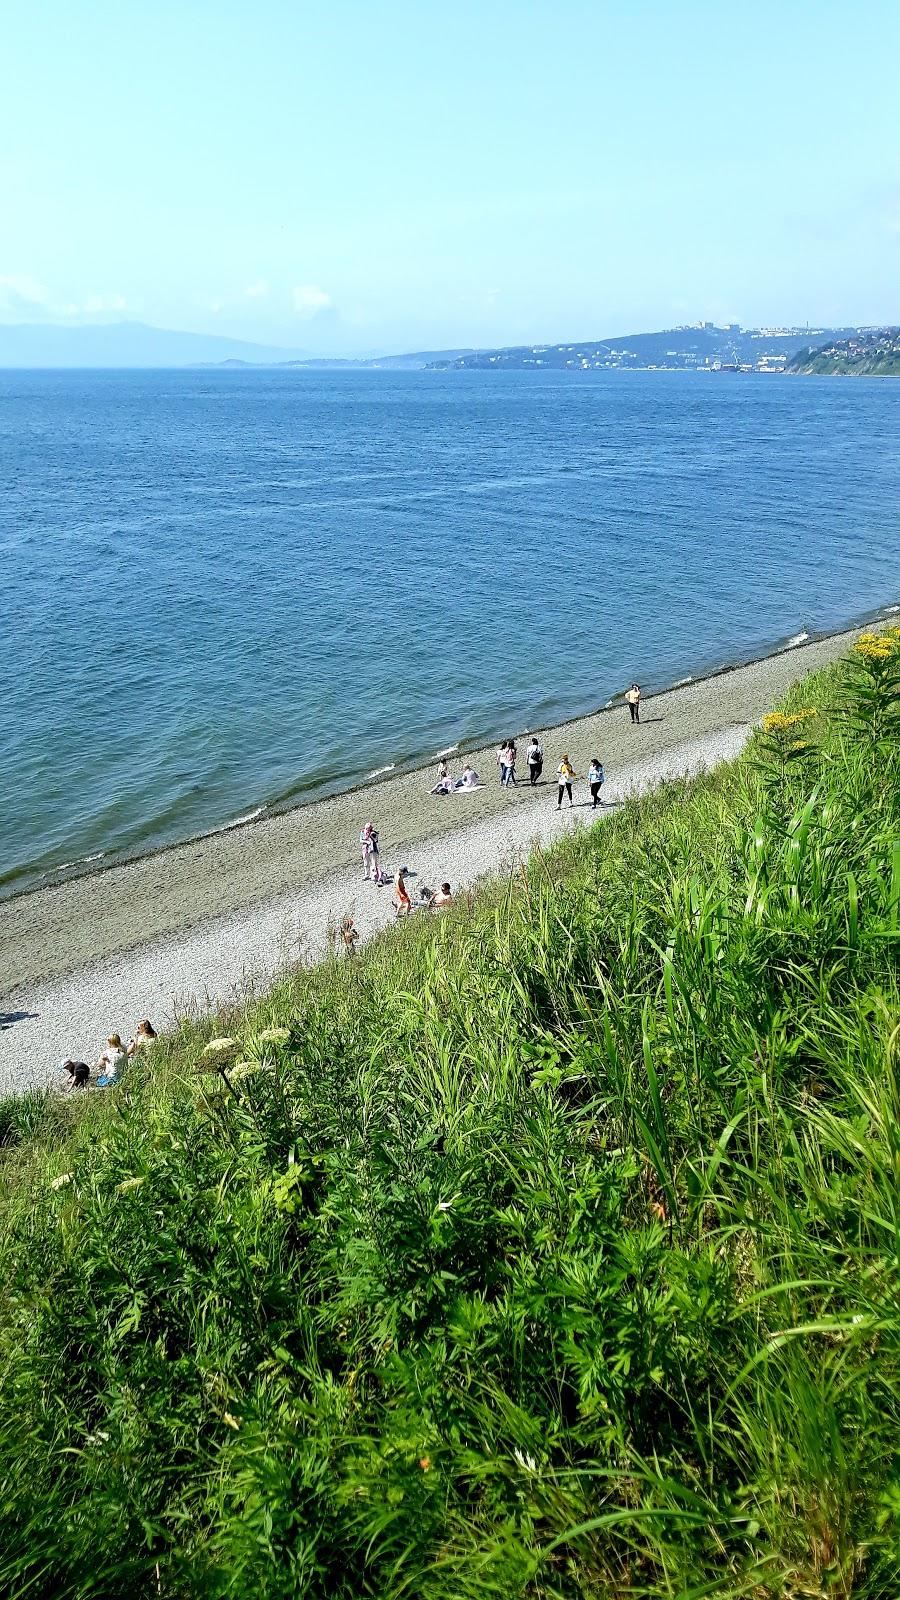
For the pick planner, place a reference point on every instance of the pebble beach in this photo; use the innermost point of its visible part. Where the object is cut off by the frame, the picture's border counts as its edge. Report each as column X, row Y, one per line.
column 203, row 922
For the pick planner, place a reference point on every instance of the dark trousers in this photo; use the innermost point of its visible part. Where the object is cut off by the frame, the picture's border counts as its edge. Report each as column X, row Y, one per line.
column 635, row 709
column 534, row 772
column 568, row 789
column 595, row 793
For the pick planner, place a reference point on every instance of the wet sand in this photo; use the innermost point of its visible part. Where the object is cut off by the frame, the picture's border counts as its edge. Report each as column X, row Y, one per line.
column 204, row 913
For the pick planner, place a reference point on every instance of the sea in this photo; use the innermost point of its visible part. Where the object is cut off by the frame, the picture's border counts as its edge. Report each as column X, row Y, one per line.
column 226, row 592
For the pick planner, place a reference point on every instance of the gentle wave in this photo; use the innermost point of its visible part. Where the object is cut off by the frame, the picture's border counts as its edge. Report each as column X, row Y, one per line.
column 680, row 682
column 379, row 771
column 80, row 861
column 236, row 822
column 798, row 638
column 450, row 751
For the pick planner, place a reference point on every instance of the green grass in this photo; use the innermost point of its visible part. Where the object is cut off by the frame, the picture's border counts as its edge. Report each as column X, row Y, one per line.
column 555, row 1251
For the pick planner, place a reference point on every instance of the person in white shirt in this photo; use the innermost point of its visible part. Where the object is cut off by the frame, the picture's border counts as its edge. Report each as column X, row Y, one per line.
column 111, row 1062
column 535, row 760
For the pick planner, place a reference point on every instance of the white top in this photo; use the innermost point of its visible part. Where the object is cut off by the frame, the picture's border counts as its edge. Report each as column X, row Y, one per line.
column 113, row 1058
column 535, row 754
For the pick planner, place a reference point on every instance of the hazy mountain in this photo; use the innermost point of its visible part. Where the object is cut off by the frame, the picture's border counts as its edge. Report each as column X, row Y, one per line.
column 126, row 344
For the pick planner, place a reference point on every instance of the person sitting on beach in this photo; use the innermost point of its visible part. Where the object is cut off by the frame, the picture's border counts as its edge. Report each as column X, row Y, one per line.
column 444, row 783
column 565, row 772
column 111, row 1062
column 595, row 780
column 402, row 902
column 442, row 897
column 349, row 935
column 535, row 760
column 633, row 696
column 469, row 779
column 79, row 1075
column 144, row 1035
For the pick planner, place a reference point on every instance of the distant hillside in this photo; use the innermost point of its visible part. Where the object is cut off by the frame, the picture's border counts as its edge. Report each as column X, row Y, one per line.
column 872, row 353
column 700, row 346
column 415, row 361
column 126, row 344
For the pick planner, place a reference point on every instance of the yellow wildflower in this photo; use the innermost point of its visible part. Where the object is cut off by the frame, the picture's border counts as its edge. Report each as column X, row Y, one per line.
column 875, row 649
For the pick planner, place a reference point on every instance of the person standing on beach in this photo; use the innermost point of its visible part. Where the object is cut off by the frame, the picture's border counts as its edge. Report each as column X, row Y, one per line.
column 402, row 902
column 349, row 935
column 506, row 761
column 368, row 840
column 595, row 780
column 633, row 696
column 565, row 772
column 535, row 760
column 511, row 756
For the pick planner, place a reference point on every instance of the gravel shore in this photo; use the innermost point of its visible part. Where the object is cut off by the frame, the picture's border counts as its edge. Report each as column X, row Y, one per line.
column 206, row 920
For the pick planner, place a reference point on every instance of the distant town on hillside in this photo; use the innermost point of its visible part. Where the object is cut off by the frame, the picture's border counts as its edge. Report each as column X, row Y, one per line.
column 871, row 353
column 696, row 346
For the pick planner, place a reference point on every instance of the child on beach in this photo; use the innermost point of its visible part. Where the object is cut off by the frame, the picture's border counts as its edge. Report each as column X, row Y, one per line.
column 402, row 902
column 79, row 1075
column 595, row 780
column 111, row 1062
column 349, row 936
column 633, row 696
column 565, row 772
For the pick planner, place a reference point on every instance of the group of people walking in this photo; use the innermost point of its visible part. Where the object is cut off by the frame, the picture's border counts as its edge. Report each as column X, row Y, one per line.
column 507, row 757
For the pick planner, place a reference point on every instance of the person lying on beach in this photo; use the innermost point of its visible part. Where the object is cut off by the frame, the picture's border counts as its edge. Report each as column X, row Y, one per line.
column 349, row 935
column 468, row 780
column 79, row 1075
column 402, row 902
column 442, row 897
column 144, row 1035
column 595, row 780
column 111, row 1062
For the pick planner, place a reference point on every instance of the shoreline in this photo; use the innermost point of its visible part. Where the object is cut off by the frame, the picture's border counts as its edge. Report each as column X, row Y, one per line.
column 189, row 923
column 94, row 865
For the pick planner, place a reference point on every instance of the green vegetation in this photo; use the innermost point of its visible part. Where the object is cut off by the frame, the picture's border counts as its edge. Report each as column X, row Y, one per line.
column 875, row 355
column 548, row 1249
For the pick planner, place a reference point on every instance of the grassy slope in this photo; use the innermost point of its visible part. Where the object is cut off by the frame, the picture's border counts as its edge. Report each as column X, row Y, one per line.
column 554, row 1253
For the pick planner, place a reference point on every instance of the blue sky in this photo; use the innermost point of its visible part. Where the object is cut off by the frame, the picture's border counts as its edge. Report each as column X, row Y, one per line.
column 348, row 176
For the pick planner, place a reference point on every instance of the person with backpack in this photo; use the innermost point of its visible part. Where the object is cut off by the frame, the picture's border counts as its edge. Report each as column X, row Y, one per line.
column 565, row 772
column 595, row 780
column 534, row 760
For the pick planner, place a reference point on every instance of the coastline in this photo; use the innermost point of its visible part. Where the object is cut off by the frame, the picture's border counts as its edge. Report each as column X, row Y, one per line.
column 193, row 923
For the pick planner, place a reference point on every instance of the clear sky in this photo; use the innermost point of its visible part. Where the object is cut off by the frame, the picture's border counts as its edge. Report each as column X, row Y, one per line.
column 373, row 175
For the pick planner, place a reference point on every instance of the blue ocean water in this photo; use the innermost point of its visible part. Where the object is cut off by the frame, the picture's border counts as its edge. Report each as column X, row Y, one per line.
column 226, row 590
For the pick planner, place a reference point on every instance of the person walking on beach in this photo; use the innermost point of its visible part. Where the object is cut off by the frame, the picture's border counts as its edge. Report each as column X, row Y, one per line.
column 511, row 758
column 506, row 760
column 402, row 902
column 633, row 696
column 595, row 780
column 535, row 760
column 565, row 772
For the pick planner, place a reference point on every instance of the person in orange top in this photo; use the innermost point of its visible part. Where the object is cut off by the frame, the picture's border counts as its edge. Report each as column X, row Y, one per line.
column 633, row 696
column 402, row 904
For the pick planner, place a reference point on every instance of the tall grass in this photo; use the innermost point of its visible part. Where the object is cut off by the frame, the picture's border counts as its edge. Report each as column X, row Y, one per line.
column 548, row 1249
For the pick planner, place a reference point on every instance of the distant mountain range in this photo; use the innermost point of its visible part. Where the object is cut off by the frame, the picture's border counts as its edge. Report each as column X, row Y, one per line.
column 135, row 344
column 700, row 345
column 871, row 353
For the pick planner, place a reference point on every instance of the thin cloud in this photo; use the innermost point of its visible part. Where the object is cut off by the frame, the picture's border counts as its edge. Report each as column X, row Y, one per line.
column 309, row 301
column 257, row 291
